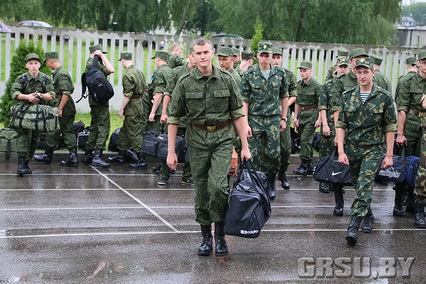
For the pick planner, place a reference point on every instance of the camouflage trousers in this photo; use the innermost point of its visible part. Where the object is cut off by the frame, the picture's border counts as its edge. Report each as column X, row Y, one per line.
column 100, row 124
column 53, row 138
column 210, row 154
column 306, row 130
column 27, row 142
column 420, row 189
column 364, row 161
column 327, row 142
column 285, row 146
column 130, row 133
column 265, row 143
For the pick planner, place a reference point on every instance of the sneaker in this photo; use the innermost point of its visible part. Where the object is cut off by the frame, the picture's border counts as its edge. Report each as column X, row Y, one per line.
column 156, row 170
column 162, row 181
column 188, row 182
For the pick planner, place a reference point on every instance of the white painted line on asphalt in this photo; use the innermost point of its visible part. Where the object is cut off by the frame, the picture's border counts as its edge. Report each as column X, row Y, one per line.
column 138, row 201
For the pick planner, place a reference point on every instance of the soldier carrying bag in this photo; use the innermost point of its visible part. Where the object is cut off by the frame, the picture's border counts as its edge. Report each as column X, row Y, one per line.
column 34, row 117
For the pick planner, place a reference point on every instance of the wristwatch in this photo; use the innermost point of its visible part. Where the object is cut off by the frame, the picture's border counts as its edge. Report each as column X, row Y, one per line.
column 284, row 118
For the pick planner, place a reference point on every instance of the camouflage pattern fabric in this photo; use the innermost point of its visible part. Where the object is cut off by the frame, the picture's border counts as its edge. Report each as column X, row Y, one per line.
column 175, row 61
column 420, row 189
column 343, row 83
column 382, row 81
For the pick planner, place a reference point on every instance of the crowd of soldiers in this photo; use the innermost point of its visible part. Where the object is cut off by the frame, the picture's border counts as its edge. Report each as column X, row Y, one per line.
column 211, row 107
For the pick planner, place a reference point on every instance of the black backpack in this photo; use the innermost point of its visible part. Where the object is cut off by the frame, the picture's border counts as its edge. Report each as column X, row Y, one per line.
column 97, row 83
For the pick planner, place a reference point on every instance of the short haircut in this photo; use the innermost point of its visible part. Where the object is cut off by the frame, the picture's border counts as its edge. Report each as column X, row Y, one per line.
column 175, row 46
column 202, row 41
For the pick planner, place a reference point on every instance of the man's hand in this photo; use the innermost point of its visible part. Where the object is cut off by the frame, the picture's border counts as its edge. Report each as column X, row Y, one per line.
column 401, row 140
column 172, row 161
column 249, row 133
column 151, row 117
column 283, row 125
column 387, row 162
column 343, row 159
column 164, row 118
column 121, row 113
column 296, row 123
column 326, row 130
column 59, row 112
column 245, row 154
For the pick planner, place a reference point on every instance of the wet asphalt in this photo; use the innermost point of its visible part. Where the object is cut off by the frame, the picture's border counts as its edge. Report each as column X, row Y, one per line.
column 115, row 225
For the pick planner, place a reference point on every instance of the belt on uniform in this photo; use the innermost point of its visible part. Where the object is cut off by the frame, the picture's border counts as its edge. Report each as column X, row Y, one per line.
column 417, row 113
column 308, row 107
column 136, row 97
column 212, row 128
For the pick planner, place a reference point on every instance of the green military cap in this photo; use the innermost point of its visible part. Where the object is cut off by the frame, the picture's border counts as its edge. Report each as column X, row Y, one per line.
column 305, row 65
column 365, row 62
column 342, row 53
column 247, row 54
column 277, row 51
column 377, row 60
column 410, row 61
column 357, row 52
column 161, row 54
column 342, row 60
column 50, row 55
column 264, row 47
column 226, row 51
column 125, row 56
column 30, row 56
column 235, row 51
column 422, row 55
column 93, row 48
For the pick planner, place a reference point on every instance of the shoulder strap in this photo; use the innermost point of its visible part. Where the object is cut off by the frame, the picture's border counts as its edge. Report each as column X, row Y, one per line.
column 43, row 82
column 95, row 63
column 24, row 81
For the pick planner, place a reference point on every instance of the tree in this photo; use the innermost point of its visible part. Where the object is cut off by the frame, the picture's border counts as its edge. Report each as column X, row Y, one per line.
column 258, row 34
column 417, row 11
column 14, row 11
column 204, row 18
column 17, row 67
column 181, row 11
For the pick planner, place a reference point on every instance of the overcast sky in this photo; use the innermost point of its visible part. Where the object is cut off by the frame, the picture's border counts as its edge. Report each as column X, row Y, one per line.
column 408, row 2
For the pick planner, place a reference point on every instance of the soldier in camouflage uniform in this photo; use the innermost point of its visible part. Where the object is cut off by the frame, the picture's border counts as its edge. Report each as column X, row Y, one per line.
column 407, row 98
column 225, row 56
column 379, row 78
column 130, row 138
column 328, row 132
column 306, row 115
column 38, row 89
column 236, row 58
column 332, row 70
column 209, row 98
column 265, row 95
column 99, row 112
column 64, row 88
column 367, row 125
column 285, row 136
column 175, row 57
column 411, row 68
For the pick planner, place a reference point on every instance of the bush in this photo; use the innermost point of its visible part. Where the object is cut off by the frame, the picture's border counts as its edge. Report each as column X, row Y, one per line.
column 258, row 34
column 17, row 67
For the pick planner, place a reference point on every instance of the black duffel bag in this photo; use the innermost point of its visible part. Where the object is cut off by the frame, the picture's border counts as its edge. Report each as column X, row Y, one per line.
column 249, row 207
column 329, row 170
column 155, row 145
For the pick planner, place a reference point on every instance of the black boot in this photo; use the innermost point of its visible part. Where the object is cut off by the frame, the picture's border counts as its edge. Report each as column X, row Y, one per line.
column 119, row 159
column 272, row 189
column 419, row 221
column 351, row 235
column 398, row 209
column 46, row 157
column 324, row 187
column 206, row 247
column 283, row 179
column 97, row 159
column 302, row 169
column 367, row 224
column 221, row 249
column 410, row 200
column 339, row 200
column 132, row 154
column 141, row 164
column 72, row 159
column 23, row 168
column 88, row 157
column 309, row 167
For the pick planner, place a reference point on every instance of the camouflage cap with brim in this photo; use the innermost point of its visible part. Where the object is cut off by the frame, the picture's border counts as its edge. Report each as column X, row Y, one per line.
column 235, row 52
column 377, row 60
column 125, row 56
column 411, row 61
column 247, row 54
column 226, row 51
column 264, row 47
column 93, row 48
column 161, row 54
column 342, row 53
column 30, row 56
column 356, row 52
column 422, row 55
column 305, row 65
column 50, row 55
column 365, row 62
column 277, row 51
column 342, row 60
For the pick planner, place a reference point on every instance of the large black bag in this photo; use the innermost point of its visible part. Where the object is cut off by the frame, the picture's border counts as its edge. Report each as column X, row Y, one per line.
column 113, row 141
column 82, row 138
column 329, row 170
column 249, row 207
column 96, row 82
column 154, row 145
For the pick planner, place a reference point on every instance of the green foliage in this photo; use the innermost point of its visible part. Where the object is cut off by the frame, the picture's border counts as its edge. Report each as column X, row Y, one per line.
column 417, row 11
column 258, row 34
column 17, row 67
column 18, row 10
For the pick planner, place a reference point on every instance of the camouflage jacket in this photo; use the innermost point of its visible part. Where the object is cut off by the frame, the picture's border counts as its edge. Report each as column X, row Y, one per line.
column 291, row 82
column 33, row 84
column 402, row 80
column 175, row 61
column 343, row 83
column 410, row 91
column 62, row 83
column 382, row 81
column 134, row 85
column 324, row 98
column 308, row 93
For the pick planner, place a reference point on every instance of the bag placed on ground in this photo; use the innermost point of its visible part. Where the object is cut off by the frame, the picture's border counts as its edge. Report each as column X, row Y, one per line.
column 34, row 117
column 100, row 89
column 113, row 141
column 8, row 141
column 329, row 170
column 249, row 207
column 82, row 138
column 155, row 145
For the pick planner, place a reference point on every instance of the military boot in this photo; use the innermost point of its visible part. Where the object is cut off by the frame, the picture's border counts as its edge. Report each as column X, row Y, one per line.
column 133, row 155
column 23, row 168
column 283, row 179
column 302, row 169
column 410, row 200
column 72, row 159
column 221, row 249
column 324, row 187
column 97, row 159
column 419, row 220
column 272, row 189
column 367, row 224
column 398, row 209
column 87, row 157
column 310, row 167
column 339, row 200
column 351, row 235
column 119, row 159
column 206, row 247
column 46, row 157
column 141, row 164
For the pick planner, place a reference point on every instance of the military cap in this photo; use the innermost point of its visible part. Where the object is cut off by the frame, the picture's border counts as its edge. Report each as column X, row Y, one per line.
column 226, row 51
column 377, row 60
column 93, row 48
column 357, row 52
column 410, row 61
column 247, row 54
column 161, row 54
column 235, row 51
column 342, row 60
column 277, row 51
column 264, row 47
column 342, row 53
column 125, row 56
column 365, row 62
column 422, row 55
column 30, row 56
column 305, row 65
column 50, row 55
